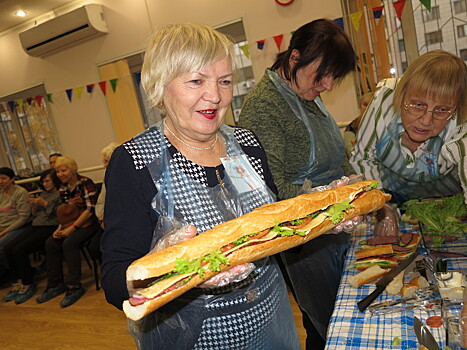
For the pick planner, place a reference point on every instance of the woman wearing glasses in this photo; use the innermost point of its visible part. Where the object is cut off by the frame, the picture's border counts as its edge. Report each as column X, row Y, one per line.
column 413, row 136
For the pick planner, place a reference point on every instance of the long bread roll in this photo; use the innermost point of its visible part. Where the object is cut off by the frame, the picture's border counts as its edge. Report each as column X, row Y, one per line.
column 358, row 199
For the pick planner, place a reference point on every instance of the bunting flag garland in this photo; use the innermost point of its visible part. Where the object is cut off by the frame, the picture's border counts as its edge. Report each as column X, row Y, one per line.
column 427, row 4
column 246, row 50
column 49, row 98
column 278, row 39
column 20, row 103
column 113, row 84
column 89, row 88
column 29, row 100
column 103, row 86
column 377, row 12
column 399, row 7
column 260, row 44
column 11, row 104
column 340, row 22
column 69, row 93
column 355, row 18
column 138, row 79
column 39, row 100
column 79, row 92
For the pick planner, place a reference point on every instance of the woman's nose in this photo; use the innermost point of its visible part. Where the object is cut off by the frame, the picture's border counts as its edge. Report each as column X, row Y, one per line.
column 212, row 92
column 327, row 83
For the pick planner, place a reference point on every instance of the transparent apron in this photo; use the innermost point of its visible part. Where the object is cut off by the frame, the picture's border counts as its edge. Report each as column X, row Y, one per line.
column 326, row 144
column 315, row 268
column 252, row 314
column 409, row 178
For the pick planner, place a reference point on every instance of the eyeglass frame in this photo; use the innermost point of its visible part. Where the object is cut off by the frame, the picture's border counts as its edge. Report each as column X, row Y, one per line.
column 451, row 113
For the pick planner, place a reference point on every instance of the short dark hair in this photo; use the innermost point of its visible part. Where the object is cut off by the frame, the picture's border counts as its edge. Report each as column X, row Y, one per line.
column 8, row 172
column 55, row 155
column 319, row 39
column 53, row 176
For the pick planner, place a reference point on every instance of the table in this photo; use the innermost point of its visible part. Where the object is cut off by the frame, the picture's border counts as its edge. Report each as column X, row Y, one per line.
column 351, row 329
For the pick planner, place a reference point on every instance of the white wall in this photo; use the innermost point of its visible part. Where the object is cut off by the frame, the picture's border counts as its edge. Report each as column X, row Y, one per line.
column 85, row 126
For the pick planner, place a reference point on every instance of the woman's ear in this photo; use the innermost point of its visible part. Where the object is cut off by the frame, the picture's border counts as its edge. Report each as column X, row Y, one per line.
column 295, row 55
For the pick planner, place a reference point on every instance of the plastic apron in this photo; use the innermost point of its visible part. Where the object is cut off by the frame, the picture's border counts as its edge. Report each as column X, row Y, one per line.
column 412, row 176
column 315, row 268
column 252, row 314
column 326, row 145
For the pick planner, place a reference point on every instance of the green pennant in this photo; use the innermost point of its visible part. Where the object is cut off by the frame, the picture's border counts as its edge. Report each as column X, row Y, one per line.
column 113, row 83
column 49, row 98
column 427, row 4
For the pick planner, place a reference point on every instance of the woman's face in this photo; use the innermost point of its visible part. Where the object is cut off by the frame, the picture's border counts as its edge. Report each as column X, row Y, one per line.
column 305, row 86
column 5, row 182
column 196, row 102
column 106, row 161
column 48, row 183
column 64, row 174
column 420, row 129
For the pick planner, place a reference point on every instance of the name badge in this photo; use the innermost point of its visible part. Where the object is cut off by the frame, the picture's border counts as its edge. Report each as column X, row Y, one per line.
column 241, row 174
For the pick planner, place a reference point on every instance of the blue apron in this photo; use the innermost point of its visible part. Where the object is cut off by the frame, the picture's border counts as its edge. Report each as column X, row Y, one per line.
column 315, row 268
column 409, row 177
column 251, row 314
column 326, row 145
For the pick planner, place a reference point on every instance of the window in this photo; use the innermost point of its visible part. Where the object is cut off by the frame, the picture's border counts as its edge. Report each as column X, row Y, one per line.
column 401, row 45
column 462, row 30
column 434, row 37
column 463, row 54
column 460, row 6
column 431, row 15
column 27, row 132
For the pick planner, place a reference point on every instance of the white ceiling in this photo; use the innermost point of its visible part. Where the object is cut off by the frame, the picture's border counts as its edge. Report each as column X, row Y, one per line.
column 33, row 9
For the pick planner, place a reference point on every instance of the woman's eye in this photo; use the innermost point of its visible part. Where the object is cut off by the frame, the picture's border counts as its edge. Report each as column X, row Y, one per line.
column 442, row 109
column 226, row 82
column 196, row 82
column 419, row 105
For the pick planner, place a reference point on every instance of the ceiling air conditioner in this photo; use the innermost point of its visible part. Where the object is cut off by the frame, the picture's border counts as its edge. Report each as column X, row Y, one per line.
column 81, row 24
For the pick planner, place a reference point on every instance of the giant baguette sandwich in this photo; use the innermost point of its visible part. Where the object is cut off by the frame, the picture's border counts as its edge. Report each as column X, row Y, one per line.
column 267, row 230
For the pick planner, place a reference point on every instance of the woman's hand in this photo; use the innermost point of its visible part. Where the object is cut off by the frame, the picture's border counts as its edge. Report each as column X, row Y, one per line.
column 63, row 232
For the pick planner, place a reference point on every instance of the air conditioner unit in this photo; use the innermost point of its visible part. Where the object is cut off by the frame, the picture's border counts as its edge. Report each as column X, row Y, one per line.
column 76, row 26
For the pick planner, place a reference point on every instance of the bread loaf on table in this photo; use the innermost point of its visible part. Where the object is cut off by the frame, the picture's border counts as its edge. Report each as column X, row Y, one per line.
column 370, row 274
column 363, row 197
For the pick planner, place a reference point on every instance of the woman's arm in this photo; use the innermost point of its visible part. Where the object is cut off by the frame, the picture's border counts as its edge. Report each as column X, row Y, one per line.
column 129, row 222
column 21, row 197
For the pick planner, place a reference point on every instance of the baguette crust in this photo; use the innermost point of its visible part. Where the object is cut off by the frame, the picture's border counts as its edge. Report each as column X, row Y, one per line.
column 374, row 251
column 264, row 217
column 259, row 219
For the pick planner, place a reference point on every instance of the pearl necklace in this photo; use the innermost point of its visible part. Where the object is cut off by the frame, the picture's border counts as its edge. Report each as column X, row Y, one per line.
column 188, row 145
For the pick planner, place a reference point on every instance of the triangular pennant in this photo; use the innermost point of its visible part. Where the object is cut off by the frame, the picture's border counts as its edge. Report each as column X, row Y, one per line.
column 103, row 86
column 399, row 7
column 39, row 100
column 138, row 79
column 11, row 104
column 79, row 92
column 29, row 100
column 260, row 44
column 20, row 103
column 278, row 39
column 246, row 50
column 427, row 4
column 355, row 18
column 69, row 93
column 292, row 32
column 113, row 84
column 49, row 98
column 340, row 22
column 377, row 12
column 89, row 88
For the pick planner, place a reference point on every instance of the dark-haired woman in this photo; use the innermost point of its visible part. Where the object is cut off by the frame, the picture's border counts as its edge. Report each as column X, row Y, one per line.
column 44, row 223
column 303, row 142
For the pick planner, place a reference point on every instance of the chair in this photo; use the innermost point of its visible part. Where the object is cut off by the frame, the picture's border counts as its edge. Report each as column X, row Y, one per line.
column 91, row 252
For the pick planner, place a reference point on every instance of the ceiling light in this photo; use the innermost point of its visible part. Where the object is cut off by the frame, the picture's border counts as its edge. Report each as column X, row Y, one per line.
column 20, row 13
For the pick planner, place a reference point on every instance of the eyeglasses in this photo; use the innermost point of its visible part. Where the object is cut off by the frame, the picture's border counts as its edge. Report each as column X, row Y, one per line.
column 419, row 110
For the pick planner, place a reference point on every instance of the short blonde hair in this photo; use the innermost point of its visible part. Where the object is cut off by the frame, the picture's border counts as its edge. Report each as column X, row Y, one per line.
column 68, row 162
column 108, row 150
column 438, row 75
column 177, row 49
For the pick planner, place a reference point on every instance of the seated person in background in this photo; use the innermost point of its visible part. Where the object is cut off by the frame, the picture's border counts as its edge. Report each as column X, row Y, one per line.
column 15, row 213
column 52, row 158
column 350, row 133
column 106, row 153
column 77, row 224
column 413, row 135
column 44, row 223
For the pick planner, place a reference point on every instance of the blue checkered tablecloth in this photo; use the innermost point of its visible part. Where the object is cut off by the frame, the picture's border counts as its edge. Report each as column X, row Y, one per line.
column 351, row 329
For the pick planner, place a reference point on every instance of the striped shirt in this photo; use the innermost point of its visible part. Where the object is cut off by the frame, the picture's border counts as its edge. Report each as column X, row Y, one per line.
column 436, row 168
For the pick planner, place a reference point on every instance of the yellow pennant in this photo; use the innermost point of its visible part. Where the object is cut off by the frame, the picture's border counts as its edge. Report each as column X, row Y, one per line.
column 355, row 17
column 246, row 50
column 78, row 92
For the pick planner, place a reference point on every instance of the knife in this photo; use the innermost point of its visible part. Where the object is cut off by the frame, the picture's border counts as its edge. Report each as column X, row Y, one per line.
column 424, row 335
column 384, row 281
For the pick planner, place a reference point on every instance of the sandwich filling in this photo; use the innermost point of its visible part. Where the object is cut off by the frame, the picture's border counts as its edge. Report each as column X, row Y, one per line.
column 185, row 270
